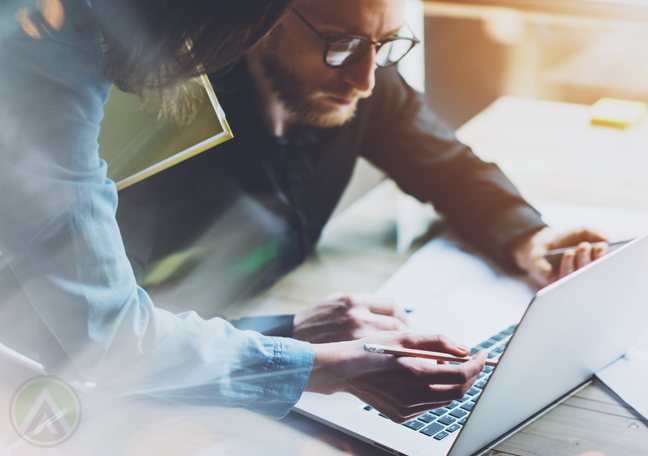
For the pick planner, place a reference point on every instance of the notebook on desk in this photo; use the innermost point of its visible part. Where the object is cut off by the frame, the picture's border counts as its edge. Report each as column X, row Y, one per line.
column 136, row 144
column 571, row 330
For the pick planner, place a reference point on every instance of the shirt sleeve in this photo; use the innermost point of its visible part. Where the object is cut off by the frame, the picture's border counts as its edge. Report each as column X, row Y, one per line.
column 59, row 237
column 409, row 142
column 271, row 325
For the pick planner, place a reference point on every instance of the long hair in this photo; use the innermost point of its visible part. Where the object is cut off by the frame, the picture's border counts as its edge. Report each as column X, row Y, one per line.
column 145, row 41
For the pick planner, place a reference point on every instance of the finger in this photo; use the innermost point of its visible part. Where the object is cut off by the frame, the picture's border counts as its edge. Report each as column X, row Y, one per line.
column 583, row 254
column 433, row 342
column 541, row 272
column 410, row 413
column 600, row 249
column 404, row 414
column 449, row 392
column 567, row 265
column 426, row 397
column 379, row 322
column 592, row 236
column 542, row 266
column 430, row 373
column 575, row 237
column 385, row 306
column 412, row 402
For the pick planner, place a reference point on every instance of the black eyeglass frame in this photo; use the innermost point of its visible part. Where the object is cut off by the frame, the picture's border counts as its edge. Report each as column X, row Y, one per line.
column 333, row 39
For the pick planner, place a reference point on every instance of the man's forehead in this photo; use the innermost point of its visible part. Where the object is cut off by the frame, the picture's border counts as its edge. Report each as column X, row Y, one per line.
column 377, row 18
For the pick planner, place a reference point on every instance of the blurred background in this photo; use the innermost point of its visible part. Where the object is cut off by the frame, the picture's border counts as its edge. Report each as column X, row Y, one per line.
column 575, row 51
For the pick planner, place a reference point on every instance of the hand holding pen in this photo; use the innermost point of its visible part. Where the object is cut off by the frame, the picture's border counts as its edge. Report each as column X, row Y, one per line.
column 400, row 387
column 436, row 356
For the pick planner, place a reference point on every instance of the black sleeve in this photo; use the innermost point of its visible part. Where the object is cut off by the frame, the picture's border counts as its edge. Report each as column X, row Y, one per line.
column 273, row 325
column 409, row 142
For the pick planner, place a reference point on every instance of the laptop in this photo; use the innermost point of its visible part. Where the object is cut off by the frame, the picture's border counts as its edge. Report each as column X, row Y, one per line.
column 547, row 351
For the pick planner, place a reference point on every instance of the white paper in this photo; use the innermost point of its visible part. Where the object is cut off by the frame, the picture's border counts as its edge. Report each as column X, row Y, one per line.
column 447, row 264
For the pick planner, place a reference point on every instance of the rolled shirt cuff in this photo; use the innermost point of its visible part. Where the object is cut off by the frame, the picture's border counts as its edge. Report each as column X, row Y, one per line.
column 290, row 369
column 512, row 226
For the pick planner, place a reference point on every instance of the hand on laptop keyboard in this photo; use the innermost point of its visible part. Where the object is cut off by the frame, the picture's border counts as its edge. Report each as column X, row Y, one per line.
column 400, row 387
column 442, row 422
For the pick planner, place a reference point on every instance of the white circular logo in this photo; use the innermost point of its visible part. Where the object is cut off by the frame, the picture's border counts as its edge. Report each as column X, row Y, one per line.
column 45, row 411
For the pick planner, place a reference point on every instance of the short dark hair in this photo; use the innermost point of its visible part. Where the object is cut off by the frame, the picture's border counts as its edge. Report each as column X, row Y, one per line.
column 145, row 40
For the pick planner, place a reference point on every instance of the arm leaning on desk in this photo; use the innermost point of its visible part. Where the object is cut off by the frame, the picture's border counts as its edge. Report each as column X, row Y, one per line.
column 406, row 139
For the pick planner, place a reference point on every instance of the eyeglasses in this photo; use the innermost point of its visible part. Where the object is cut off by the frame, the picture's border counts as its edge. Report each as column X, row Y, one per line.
column 345, row 50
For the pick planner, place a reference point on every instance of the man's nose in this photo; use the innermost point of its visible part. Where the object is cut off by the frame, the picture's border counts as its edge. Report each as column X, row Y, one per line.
column 361, row 74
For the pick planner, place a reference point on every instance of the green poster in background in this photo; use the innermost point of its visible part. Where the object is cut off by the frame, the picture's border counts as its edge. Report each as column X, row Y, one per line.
column 137, row 144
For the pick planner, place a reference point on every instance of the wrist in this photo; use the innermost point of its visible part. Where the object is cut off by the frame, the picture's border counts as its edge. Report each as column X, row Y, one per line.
column 327, row 373
column 526, row 250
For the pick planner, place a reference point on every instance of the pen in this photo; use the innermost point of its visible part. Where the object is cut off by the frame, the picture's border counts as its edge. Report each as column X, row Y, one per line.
column 422, row 354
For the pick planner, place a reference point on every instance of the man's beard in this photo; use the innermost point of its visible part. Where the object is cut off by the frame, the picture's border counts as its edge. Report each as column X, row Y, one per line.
column 302, row 105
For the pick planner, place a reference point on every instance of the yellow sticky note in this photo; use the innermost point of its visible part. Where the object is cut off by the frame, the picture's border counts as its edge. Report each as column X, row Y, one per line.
column 609, row 112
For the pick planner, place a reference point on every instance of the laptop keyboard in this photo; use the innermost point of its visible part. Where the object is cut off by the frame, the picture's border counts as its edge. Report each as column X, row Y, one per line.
column 442, row 422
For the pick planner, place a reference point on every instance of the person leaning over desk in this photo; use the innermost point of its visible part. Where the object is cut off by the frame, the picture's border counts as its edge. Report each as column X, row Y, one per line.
column 315, row 94
column 87, row 319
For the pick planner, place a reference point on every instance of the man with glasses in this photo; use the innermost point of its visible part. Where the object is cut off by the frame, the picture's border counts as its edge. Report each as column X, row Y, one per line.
column 318, row 92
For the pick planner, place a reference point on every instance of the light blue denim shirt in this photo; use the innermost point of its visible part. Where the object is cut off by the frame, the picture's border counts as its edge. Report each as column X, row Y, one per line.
column 84, row 313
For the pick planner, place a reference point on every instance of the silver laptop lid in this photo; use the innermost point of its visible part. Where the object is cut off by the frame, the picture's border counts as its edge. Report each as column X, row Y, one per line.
column 572, row 329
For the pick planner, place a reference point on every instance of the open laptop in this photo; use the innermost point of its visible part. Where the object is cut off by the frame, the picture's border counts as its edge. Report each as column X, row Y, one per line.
column 571, row 330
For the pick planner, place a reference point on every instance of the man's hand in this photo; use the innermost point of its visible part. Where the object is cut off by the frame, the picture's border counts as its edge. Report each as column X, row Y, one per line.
column 351, row 316
column 529, row 253
column 399, row 387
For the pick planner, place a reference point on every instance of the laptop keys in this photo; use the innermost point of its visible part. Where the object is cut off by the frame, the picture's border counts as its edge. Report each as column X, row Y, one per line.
column 453, row 428
column 468, row 406
column 453, row 405
column 416, row 425
column 438, row 412
column 473, row 392
column 458, row 413
column 368, row 408
column 441, row 435
column 462, row 422
column 427, row 418
column 446, row 420
column 480, row 384
column 487, row 344
column 432, row 429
